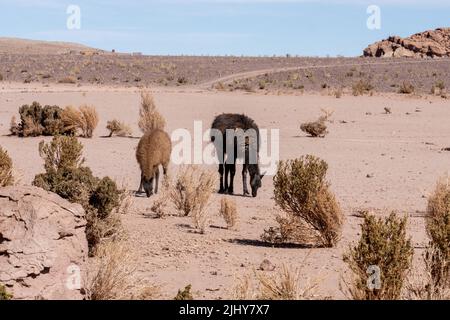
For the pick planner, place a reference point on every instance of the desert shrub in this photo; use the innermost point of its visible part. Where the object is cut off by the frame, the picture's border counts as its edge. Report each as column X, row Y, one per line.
column 438, row 88
column 113, row 275
column 68, row 80
column 315, row 129
column 14, row 127
column 149, row 117
column 118, row 128
column 184, row 294
column 406, row 88
column 159, row 206
column 228, row 212
column 3, row 294
column 383, row 246
column 66, row 176
column 438, row 229
column 283, row 285
column 84, row 119
column 311, row 209
column 37, row 120
column 6, row 169
column 192, row 190
column 362, row 87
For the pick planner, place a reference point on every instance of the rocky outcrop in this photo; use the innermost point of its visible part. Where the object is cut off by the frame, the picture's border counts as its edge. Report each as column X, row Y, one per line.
column 43, row 247
column 435, row 43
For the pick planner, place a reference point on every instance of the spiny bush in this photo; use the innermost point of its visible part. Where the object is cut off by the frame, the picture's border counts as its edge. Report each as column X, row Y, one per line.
column 184, row 294
column 383, row 246
column 315, row 129
column 438, row 229
column 228, row 212
column 192, row 190
column 312, row 212
column 118, row 128
column 160, row 204
column 6, row 168
column 406, row 88
column 84, row 119
column 3, row 294
column 149, row 117
column 66, row 176
column 362, row 87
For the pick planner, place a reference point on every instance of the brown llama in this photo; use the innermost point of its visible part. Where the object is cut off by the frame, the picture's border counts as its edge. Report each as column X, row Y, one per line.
column 242, row 143
column 153, row 150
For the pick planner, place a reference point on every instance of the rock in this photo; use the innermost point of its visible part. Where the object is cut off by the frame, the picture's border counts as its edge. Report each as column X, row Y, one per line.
column 43, row 247
column 266, row 265
column 434, row 43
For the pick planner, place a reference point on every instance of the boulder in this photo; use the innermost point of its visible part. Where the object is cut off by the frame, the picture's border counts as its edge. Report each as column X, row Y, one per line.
column 435, row 43
column 43, row 247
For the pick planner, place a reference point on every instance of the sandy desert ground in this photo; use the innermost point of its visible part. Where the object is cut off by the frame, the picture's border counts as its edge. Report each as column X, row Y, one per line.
column 377, row 161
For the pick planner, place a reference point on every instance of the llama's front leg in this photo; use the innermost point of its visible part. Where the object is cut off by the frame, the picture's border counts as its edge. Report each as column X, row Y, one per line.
column 244, row 180
column 232, row 170
column 141, row 185
column 227, row 172
column 157, row 180
column 221, row 169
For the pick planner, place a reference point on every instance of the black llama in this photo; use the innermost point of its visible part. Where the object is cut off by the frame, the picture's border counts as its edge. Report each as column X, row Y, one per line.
column 244, row 144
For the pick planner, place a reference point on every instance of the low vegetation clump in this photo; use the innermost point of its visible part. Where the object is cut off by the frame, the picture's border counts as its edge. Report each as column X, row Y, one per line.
column 228, row 212
column 191, row 193
column 118, row 128
column 6, row 169
column 83, row 120
column 362, row 87
column 380, row 260
column 438, row 88
column 36, row 120
column 3, row 294
column 315, row 129
column 284, row 285
column 68, row 80
column 406, row 88
column 113, row 275
column 184, row 294
column 438, row 229
column 159, row 206
column 149, row 116
column 66, row 176
column 311, row 213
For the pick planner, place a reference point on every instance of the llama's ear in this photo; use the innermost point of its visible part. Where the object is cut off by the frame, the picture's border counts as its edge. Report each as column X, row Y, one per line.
column 262, row 176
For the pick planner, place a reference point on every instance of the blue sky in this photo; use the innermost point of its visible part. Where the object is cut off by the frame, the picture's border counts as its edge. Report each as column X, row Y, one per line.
column 221, row 27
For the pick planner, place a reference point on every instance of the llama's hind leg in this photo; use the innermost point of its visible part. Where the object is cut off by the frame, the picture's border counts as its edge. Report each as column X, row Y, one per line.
column 231, row 168
column 141, row 185
column 156, row 180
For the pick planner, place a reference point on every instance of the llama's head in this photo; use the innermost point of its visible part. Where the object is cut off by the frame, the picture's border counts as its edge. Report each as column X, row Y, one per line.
column 255, row 179
column 147, row 183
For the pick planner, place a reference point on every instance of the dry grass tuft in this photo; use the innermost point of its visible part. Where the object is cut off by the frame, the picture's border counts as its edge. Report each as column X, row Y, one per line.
column 315, row 129
column 311, row 210
column 406, row 88
column 191, row 193
column 149, row 117
column 284, row 285
column 228, row 212
column 118, row 128
column 114, row 275
column 84, row 119
column 159, row 207
column 6, row 169
column 383, row 246
column 184, row 294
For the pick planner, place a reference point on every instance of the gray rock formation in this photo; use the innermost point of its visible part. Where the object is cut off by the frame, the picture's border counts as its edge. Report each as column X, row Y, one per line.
column 43, row 247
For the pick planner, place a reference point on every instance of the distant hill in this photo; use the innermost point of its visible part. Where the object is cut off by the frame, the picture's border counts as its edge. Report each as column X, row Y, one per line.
column 432, row 43
column 24, row 46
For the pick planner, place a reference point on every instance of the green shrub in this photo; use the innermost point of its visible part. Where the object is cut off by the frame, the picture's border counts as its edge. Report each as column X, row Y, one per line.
column 383, row 245
column 36, row 120
column 438, row 229
column 312, row 211
column 6, row 166
column 65, row 176
column 3, row 294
